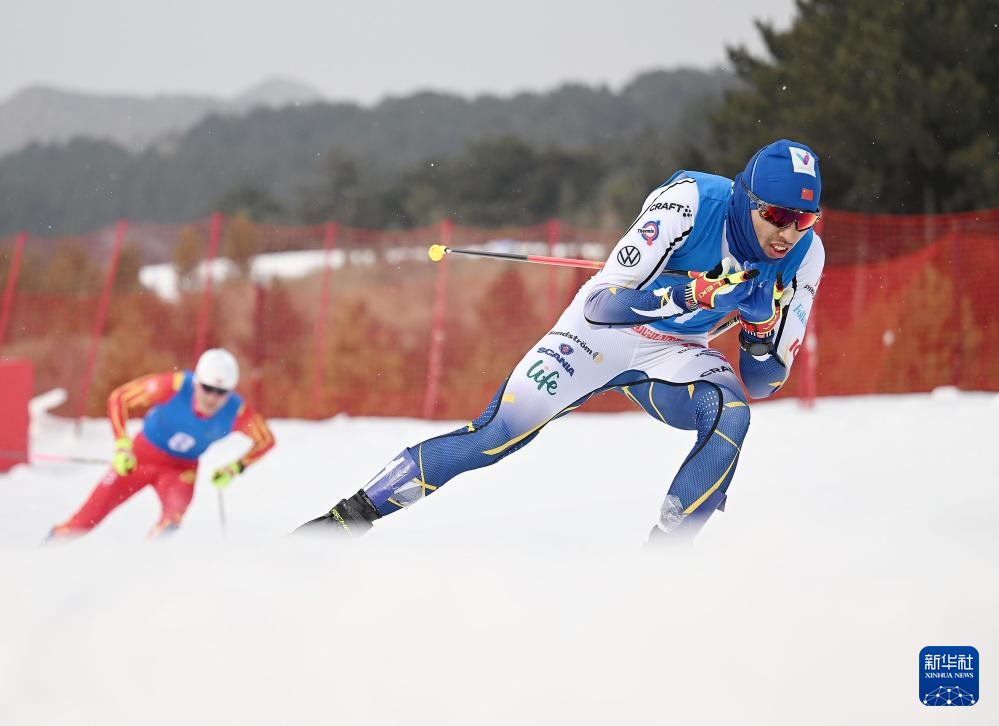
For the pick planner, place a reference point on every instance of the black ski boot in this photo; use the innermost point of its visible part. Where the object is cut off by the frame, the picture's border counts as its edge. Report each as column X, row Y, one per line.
column 350, row 518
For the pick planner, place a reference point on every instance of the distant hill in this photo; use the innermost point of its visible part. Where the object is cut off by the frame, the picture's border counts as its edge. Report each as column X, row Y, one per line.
column 280, row 153
column 275, row 93
column 47, row 115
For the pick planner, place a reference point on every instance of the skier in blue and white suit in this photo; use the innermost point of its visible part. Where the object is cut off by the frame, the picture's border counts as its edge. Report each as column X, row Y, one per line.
column 746, row 246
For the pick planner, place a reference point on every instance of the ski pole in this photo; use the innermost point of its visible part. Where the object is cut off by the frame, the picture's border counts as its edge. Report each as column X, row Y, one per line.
column 724, row 327
column 25, row 458
column 437, row 252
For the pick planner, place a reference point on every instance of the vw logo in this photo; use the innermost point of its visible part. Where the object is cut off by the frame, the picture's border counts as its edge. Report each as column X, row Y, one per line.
column 629, row 256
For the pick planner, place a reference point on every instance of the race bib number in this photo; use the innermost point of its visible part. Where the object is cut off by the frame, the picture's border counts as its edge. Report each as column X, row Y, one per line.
column 181, row 442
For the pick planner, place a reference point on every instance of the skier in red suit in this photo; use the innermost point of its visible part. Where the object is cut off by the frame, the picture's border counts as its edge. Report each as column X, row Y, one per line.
column 187, row 413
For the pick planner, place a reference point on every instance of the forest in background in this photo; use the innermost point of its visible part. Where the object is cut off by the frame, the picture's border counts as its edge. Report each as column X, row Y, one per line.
column 902, row 111
column 391, row 165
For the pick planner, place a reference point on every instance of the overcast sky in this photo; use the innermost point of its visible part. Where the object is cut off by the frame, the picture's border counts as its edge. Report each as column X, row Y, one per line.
column 363, row 51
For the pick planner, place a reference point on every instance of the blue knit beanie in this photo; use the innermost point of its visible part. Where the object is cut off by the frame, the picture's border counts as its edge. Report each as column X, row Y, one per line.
column 785, row 173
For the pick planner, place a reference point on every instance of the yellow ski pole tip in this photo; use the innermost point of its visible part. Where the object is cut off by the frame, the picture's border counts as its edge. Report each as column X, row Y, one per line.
column 436, row 252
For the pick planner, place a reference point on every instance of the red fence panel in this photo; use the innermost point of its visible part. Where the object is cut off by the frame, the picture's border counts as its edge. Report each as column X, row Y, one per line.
column 330, row 319
column 215, row 231
column 14, row 396
column 100, row 318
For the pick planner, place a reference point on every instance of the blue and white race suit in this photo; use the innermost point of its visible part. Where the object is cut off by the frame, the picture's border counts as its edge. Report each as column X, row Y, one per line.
column 621, row 333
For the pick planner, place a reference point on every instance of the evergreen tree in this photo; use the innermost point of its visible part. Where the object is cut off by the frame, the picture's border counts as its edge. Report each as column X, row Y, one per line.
column 241, row 242
column 899, row 100
column 188, row 252
column 251, row 202
column 126, row 277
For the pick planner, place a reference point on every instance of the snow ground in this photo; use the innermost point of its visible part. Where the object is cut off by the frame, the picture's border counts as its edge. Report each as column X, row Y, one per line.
column 856, row 534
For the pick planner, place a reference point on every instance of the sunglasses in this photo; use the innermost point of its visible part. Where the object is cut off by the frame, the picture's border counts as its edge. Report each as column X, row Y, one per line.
column 782, row 217
column 212, row 389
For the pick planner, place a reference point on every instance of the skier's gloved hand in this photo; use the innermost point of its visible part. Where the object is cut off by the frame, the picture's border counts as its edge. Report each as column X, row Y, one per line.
column 760, row 313
column 223, row 476
column 123, row 462
column 721, row 288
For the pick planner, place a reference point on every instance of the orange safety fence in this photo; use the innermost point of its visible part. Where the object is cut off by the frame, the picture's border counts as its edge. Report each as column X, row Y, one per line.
column 329, row 319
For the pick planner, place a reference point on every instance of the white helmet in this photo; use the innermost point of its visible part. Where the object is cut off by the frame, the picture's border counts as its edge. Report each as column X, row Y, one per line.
column 217, row 367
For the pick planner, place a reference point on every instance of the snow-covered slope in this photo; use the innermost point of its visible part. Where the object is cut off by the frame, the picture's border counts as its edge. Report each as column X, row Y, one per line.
column 856, row 534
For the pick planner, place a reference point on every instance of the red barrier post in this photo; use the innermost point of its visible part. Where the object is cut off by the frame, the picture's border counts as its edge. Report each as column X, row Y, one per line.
column 14, row 396
column 8, row 292
column 259, row 344
column 214, row 231
column 102, row 310
column 435, row 362
column 329, row 243
column 553, row 232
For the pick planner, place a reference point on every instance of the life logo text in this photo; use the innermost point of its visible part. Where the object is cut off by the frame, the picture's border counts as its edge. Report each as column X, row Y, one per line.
column 547, row 382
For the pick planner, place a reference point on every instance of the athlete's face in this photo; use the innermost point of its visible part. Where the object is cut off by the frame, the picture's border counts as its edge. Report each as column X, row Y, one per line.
column 209, row 400
column 776, row 243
